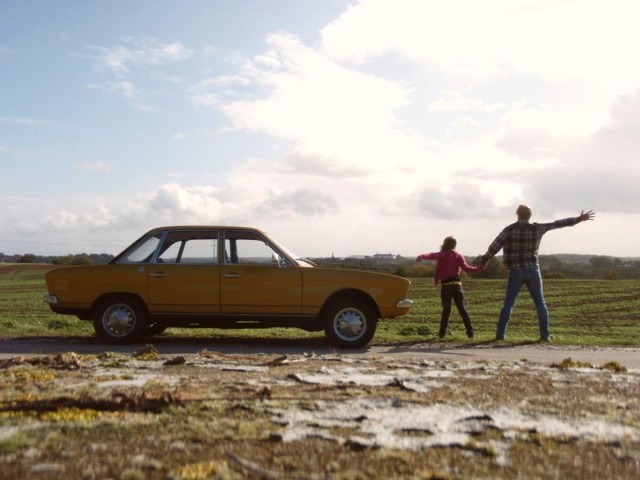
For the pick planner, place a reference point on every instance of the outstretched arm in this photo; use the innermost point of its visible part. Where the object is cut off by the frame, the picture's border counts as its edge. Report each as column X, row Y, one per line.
column 584, row 216
column 428, row 256
column 495, row 246
column 462, row 263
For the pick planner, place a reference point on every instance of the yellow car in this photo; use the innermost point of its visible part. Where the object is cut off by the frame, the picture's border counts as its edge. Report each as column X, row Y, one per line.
column 223, row 277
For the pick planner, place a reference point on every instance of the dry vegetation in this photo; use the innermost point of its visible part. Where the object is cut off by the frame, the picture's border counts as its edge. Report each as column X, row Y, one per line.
column 210, row 415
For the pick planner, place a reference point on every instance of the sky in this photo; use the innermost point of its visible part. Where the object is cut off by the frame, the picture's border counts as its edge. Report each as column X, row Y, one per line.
column 339, row 127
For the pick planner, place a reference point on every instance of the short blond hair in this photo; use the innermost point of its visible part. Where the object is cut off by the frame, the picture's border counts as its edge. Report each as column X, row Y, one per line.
column 523, row 212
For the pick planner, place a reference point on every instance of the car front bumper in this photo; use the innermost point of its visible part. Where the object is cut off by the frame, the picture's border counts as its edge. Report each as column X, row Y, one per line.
column 404, row 303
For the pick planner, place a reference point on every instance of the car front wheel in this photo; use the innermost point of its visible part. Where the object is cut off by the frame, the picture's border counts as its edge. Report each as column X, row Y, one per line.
column 120, row 320
column 350, row 323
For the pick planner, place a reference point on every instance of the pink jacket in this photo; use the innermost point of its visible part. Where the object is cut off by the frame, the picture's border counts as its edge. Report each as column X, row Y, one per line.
column 449, row 264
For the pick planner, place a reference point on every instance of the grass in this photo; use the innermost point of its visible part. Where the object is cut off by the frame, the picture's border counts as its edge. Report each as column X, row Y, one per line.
column 22, row 311
column 582, row 312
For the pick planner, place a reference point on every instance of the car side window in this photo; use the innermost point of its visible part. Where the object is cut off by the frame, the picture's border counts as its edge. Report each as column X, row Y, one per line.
column 255, row 252
column 197, row 251
column 194, row 248
column 249, row 249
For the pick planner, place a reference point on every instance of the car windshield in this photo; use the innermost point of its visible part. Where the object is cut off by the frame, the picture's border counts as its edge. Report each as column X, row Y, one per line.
column 303, row 262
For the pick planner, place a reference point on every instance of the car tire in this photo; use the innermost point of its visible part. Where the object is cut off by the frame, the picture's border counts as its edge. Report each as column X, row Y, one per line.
column 350, row 323
column 120, row 319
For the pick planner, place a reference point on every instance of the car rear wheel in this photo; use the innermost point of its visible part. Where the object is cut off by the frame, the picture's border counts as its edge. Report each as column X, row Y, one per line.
column 120, row 319
column 350, row 323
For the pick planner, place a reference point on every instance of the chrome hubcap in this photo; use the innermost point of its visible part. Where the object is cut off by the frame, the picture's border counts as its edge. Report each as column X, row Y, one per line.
column 349, row 323
column 118, row 319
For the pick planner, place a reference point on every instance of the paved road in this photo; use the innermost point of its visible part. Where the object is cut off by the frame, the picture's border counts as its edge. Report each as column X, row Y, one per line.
column 537, row 353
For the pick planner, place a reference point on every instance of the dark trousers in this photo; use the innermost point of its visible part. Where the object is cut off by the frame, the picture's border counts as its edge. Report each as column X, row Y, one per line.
column 455, row 293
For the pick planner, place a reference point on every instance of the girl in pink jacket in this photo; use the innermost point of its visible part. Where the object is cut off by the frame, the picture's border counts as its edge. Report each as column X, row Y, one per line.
column 448, row 276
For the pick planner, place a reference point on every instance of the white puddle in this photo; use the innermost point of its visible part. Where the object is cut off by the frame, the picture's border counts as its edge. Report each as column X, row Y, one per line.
column 410, row 379
column 394, row 424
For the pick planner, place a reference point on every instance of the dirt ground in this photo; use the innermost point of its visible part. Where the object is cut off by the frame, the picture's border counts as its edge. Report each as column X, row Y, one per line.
column 215, row 415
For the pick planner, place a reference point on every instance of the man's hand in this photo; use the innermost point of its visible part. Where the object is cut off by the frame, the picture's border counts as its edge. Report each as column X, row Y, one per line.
column 590, row 215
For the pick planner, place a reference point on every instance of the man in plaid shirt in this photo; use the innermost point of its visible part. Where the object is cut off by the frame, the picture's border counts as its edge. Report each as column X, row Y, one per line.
column 520, row 242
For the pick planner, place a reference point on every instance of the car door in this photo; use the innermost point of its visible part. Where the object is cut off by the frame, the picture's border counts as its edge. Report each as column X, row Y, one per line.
column 184, row 275
column 256, row 278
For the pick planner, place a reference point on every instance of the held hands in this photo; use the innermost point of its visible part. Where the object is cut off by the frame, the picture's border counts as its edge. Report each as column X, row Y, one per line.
column 481, row 267
column 584, row 216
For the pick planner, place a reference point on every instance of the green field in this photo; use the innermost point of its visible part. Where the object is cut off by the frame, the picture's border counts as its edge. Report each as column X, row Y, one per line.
column 582, row 312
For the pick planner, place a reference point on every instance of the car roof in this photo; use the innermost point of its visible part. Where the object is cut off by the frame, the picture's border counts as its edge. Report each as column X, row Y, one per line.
column 204, row 227
column 166, row 228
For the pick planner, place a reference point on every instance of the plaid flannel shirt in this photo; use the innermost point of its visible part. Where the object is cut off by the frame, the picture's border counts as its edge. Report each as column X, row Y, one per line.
column 521, row 241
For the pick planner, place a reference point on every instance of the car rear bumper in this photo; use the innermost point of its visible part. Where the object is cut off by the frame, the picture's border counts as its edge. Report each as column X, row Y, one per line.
column 50, row 299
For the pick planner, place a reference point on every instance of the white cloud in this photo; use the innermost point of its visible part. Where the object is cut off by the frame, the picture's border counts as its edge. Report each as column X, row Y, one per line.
column 174, row 203
column 299, row 202
column 306, row 90
column 117, row 58
column 452, row 100
column 134, row 65
column 480, row 39
column 139, row 53
column 122, row 87
column 583, row 47
column 335, row 118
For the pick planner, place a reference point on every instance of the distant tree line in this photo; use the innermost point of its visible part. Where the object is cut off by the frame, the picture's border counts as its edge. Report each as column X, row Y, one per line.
column 71, row 259
column 552, row 266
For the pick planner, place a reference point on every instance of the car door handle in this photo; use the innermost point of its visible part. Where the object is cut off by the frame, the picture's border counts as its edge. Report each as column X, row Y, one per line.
column 159, row 274
column 231, row 275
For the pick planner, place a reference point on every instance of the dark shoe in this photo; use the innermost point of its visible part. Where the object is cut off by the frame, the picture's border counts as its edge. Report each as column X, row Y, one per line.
column 470, row 334
column 499, row 338
column 545, row 339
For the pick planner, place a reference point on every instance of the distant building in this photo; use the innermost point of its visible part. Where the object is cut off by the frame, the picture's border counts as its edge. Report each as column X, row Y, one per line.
column 384, row 257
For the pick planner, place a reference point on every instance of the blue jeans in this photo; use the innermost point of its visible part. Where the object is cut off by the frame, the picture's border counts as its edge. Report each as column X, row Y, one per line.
column 532, row 279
